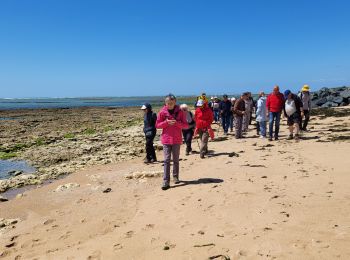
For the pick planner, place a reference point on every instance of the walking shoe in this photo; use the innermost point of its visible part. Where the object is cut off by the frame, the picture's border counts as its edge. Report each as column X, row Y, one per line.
column 165, row 186
column 276, row 138
column 270, row 138
column 146, row 160
column 296, row 137
column 176, row 180
column 187, row 153
column 153, row 160
column 290, row 137
column 202, row 156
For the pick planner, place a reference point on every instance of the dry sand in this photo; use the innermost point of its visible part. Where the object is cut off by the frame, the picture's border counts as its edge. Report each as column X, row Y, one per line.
column 276, row 200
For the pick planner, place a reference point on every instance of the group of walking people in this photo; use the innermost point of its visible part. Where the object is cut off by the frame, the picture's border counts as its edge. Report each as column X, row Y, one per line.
column 179, row 125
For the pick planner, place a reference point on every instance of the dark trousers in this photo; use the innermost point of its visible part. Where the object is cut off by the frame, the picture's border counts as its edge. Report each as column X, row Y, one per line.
column 226, row 122
column 257, row 127
column 150, row 152
column 188, row 135
column 303, row 123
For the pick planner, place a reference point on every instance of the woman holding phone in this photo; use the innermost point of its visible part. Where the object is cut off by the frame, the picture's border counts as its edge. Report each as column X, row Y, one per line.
column 171, row 119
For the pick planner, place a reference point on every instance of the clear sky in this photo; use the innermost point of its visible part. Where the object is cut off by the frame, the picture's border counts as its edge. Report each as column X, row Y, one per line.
column 65, row 48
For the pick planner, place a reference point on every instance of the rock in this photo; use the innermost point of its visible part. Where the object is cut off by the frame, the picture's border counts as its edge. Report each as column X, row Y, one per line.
column 345, row 93
column 330, row 104
column 335, row 99
column 144, row 174
column 321, row 101
column 15, row 173
column 20, row 195
column 107, row 190
column 3, row 199
column 8, row 222
column 67, row 186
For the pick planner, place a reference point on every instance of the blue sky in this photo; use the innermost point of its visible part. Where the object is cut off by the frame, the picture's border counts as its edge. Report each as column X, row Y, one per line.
column 65, row 48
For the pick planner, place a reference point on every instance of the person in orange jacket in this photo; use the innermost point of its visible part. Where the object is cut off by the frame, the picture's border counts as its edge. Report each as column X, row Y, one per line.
column 203, row 117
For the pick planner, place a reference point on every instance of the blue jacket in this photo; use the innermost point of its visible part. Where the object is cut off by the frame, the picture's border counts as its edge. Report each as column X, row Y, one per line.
column 261, row 110
column 225, row 108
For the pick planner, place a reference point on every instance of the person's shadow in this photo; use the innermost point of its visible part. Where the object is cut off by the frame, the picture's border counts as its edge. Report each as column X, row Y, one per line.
column 199, row 181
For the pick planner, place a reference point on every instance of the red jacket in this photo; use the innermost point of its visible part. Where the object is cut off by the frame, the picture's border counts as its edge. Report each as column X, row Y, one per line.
column 275, row 102
column 172, row 134
column 203, row 117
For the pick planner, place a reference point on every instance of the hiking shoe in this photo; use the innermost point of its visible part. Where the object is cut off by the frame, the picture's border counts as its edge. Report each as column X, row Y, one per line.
column 176, row 180
column 290, row 137
column 202, row 156
column 153, row 160
column 146, row 161
column 270, row 138
column 165, row 186
column 187, row 153
column 276, row 138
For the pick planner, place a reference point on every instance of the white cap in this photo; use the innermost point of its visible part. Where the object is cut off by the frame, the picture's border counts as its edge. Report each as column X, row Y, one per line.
column 143, row 107
column 233, row 99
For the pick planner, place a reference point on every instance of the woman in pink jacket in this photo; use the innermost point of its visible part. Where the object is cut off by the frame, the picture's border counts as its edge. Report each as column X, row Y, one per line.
column 171, row 120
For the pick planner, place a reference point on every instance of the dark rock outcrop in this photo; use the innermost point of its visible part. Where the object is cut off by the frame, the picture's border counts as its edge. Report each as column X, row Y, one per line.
column 331, row 97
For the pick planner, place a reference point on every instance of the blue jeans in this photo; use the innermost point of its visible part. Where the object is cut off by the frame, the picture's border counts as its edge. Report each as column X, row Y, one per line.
column 274, row 116
column 262, row 126
column 216, row 115
column 226, row 122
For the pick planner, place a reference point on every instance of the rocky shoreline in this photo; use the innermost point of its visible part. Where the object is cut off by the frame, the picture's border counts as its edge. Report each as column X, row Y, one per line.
column 60, row 141
column 331, row 97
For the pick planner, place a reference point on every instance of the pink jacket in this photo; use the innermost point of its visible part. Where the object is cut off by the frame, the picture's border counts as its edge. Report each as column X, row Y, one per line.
column 171, row 134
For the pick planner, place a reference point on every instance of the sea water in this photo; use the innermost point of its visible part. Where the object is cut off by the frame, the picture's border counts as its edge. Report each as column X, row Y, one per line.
column 14, row 165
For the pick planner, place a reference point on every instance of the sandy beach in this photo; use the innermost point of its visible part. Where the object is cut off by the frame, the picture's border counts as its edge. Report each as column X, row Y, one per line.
column 250, row 199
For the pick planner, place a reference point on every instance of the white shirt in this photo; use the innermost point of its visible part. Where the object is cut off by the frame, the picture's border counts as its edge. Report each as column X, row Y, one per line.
column 290, row 107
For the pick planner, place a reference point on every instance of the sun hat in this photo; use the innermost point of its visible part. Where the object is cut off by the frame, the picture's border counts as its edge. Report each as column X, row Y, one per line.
column 305, row 88
column 233, row 99
column 286, row 93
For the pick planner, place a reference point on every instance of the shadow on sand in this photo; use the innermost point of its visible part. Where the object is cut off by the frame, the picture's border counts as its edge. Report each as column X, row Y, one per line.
column 199, row 181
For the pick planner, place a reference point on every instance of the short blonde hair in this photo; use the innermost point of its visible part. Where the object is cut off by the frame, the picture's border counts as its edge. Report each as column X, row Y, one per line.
column 183, row 107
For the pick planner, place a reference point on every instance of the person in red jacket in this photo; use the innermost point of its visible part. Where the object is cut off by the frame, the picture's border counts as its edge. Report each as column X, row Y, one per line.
column 274, row 105
column 203, row 117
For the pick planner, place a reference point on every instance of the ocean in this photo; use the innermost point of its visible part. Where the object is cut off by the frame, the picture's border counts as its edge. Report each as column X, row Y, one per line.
column 36, row 103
